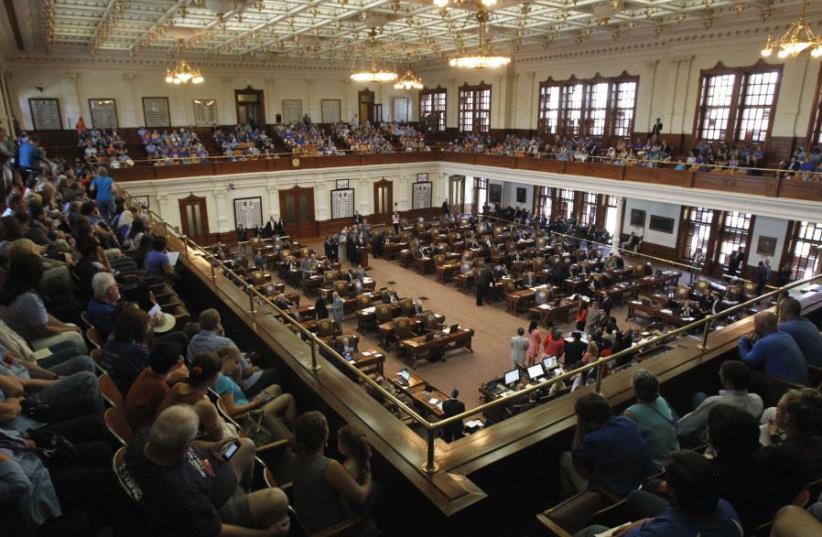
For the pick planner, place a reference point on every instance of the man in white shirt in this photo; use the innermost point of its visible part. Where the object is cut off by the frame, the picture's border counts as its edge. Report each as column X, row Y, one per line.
column 519, row 348
column 735, row 377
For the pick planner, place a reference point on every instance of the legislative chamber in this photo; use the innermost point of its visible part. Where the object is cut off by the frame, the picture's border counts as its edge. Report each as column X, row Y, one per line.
column 440, row 267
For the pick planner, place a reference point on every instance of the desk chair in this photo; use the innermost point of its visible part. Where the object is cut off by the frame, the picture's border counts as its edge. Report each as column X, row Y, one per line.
column 402, row 329
column 384, row 313
column 325, row 328
column 577, row 512
column 117, row 425
column 407, row 306
column 110, row 391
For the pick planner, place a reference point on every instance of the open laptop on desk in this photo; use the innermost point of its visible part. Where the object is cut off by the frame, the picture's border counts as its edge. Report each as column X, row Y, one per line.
column 404, row 377
column 511, row 378
column 536, row 372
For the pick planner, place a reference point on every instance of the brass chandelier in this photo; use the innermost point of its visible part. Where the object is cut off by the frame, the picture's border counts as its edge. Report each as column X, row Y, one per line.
column 798, row 38
column 183, row 73
column 485, row 58
column 374, row 74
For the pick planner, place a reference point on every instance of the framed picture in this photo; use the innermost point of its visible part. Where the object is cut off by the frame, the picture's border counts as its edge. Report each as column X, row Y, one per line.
column 522, row 195
column 495, row 193
column 661, row 224
column 766, row 246
column 422, row 193
column 637, row 218
column 342, row 203
column 141, row 201
column 103, row 113
column 292, row 110
column 330, row 110
column 205, row 112
column 45, row 114
column 248, row 212
column 156, row 112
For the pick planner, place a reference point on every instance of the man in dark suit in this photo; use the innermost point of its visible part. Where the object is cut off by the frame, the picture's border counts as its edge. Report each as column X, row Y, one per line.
column 483, row 282
column 452, row 407
column 734, row 262
column 560, row 272
column 760, row 277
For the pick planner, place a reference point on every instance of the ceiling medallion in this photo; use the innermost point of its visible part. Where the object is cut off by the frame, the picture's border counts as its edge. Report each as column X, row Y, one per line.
column 797, row 39
column 484, row 59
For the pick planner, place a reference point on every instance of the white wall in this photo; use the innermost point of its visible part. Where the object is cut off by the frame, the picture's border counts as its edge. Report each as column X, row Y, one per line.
column 509, row 195
column 653, row 208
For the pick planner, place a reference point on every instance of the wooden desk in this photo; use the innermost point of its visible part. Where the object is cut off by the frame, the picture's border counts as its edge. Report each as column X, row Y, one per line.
column 418, row 346
column 363, row 251
column 622, row 290
column 422, row 394
column 391, row 250
column 655, row 312
column 446, row 271
column 386, row 330
column 368, row 361
column 548, row 312
column 424, row 265
column 668, row 277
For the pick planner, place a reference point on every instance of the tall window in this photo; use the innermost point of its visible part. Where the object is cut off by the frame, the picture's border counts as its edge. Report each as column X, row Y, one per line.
column 807, row 241
column 611, row 212
column 815, row 127
column 482, row 192
column 475, row 108
column 699, row 222
column 596, row 107
column 433, row 102
column 545, row 201
column 589, row 209
column 566, row 200
column 737, row 104
column 733, row 235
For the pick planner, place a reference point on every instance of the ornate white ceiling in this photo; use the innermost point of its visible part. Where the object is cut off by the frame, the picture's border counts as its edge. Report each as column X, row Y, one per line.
column 356, row 30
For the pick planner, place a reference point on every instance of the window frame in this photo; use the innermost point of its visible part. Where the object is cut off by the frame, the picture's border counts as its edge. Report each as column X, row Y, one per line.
column 737, row 106
column 434, row 94
column 474, row 113
column 815, row 123
column 612, row 111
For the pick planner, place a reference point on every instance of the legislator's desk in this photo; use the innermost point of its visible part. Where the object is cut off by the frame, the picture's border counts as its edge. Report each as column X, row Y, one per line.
column 386, row 330
column 423, row 394
column 441, row 340
column 622, row 290
column 424, row 265
column 668, row 277
column 366, row 317
column 656, row 312
column 554, row 312
column 364, row 251
column 368, row 285
column 447, row 271
column 368, row 361
column 392, row 249
column 524, row 297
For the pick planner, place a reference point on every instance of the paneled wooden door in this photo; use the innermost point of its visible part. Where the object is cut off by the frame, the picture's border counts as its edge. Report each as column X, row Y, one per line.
column 366, row 105
column 383, row 197
column 297, row 211
column 194, row 219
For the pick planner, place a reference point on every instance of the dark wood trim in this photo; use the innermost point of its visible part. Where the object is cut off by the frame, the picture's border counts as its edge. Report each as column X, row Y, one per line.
column 433, row 92
column 260, row 100
column 377, row 185
column 476, row 89
column 815, row 124
column 15, row 26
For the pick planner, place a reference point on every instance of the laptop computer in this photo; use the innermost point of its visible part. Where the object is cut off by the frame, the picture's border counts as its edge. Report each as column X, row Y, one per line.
column 549, row 362
column 405, row 377
column 535, row 372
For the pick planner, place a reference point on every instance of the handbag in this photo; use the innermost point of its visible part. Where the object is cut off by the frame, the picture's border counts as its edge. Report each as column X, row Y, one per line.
column 252, row 427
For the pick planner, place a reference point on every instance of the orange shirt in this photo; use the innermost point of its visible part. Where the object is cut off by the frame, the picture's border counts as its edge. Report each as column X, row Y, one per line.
column 144, row 399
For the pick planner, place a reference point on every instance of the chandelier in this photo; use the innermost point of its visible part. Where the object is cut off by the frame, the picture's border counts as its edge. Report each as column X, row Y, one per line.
column 374, row 75
column 798, row 38
column 484, row 59
column 183, row 73
column 408, row 81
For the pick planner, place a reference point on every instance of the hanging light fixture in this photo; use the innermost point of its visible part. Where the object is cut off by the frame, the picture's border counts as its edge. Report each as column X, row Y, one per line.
column 183, row 73
column 484, row 59
column 797, row 39
column 408, row 81
column 374, row 74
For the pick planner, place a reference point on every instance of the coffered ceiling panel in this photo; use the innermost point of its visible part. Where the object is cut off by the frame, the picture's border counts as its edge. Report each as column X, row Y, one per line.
column 359, row 30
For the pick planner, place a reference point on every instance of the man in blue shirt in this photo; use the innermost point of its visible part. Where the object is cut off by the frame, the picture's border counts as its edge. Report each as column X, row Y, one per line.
column 100, row 309
column 105, row 191
column 693, row 483
column 803, row 331
column 774, row 351
column 608, row 452
column 210, row 337
column 29, row 155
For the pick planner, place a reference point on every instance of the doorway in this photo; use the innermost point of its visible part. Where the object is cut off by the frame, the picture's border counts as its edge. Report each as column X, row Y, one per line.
column 250, row 107
column 194, row 218
column 297, row 207
column 456, row 193
column 383, row 197
column 366, row 106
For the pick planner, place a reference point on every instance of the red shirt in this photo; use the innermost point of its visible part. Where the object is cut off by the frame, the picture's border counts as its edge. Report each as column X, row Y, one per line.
column 144, row 398
column 553, row 347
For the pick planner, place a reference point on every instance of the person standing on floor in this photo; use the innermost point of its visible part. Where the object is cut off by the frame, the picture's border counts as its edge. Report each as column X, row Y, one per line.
column 534, row 340
column 484, row 280
column 519, row 349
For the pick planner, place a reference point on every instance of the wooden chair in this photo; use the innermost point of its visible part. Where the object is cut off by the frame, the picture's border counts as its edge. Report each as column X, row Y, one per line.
column 430, row 322
column 110, row 391
column 341, row 287
column 683, row 292
column 402, row 329
column 117, row 425
column 384, row 313
column 325, row 328
column 330, row 277
column 407, row 306
column 94, row 337
column 573, row 514
column 363, row 302
column 127, row 483
column 704, row 287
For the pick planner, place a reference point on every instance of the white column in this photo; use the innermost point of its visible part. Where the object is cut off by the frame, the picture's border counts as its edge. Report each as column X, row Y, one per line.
column 221, row 203
column 309, row 95
column 620, row 221
column 363, row 195
column 268, row 99
column 273, row 202
column 164, row 208
column 229, row 115
column 72, row 115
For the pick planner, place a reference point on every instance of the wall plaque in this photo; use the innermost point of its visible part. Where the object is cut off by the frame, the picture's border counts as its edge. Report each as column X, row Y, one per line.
column 292, row 110
column 342, row 203
column 331, row 110
column 205, row 112
column 156, row 112
column 103, row 113
column 421, row 194
column 45, row 114
column 248, row 212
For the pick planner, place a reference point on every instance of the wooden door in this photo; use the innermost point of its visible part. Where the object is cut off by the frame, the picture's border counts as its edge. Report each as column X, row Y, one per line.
column 378, row 113
column 383, row 197
column 250, row 109
column 456, row 193
column 366, row 106
column 194, row 219
column 297, row 211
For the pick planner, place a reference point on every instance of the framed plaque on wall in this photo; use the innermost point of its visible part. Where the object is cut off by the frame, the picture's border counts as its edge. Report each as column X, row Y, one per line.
column 330, row 110
column 248, row 212
column 421, row 195
column 342, row 203
column 205, row 112
column 45, row 114
column 142, row 201
column 103, row 113
column 156, row 112
column 292, row 110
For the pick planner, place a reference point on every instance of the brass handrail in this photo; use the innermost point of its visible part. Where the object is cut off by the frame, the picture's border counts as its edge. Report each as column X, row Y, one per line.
column 430, row 466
